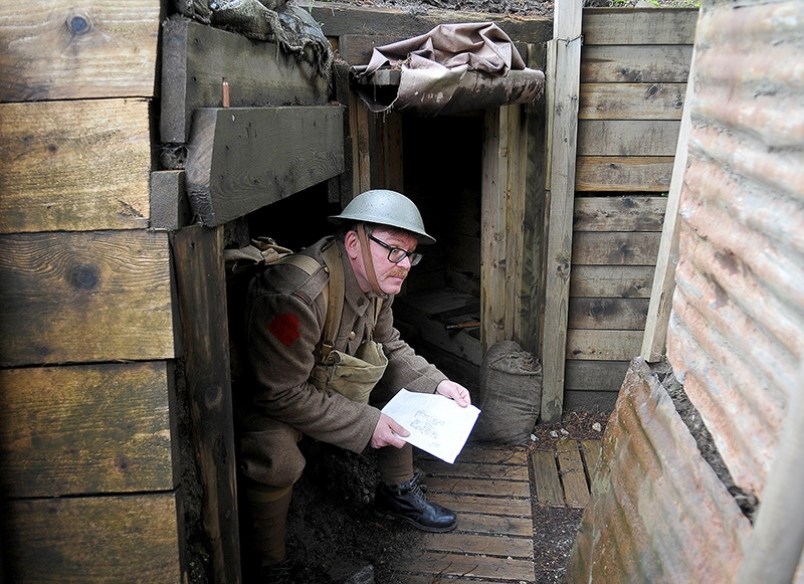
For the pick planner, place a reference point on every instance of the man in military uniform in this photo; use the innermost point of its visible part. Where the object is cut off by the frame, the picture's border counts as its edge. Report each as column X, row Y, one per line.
column 326, row 357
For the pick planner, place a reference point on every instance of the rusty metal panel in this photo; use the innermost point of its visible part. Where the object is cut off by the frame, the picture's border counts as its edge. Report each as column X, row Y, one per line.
column 658, row 512
column 735, row 338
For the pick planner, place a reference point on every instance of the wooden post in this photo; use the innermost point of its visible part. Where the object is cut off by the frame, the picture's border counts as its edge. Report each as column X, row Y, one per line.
column 661, row 295
column 563, row 90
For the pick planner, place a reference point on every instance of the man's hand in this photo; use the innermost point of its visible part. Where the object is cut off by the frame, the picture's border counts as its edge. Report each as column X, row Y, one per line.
column 387, row 433
column 454, row 391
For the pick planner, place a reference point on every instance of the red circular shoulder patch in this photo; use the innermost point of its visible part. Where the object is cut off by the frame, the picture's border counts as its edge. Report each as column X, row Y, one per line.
column 285, row 327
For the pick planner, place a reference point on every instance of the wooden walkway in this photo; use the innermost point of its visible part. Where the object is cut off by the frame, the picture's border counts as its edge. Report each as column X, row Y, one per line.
column 493, row 489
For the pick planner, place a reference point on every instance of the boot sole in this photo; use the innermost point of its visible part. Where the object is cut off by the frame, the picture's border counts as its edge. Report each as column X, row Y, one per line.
column 417, row 525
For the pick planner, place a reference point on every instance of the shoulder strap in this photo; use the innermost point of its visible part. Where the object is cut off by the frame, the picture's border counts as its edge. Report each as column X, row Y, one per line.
column 304, row 262
column 333, row 297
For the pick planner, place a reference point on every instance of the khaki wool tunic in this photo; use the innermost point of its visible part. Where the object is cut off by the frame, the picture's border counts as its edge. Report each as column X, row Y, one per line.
column 285, row 318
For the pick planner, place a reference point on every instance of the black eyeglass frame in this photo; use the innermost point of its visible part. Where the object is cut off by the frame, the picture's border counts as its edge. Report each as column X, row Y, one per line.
column 414, row 256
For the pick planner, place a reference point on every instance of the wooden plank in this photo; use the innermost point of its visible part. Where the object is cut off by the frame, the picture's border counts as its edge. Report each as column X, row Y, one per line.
column 486, row 505
column 356, row 49
column 591, row 455
column 636, row 64
column 611, row 281
column 87, row 429
column 459, row 565
column 78, row 297
column 630, row 26
column 627, row 137
column 596, row 375
column 132, row 538
column 74, row 165
column 607, row 313
column 500, row 545
column 56, row 50
column 476, row 470
column 545, row 477
column 603, row 345
column 572, row 473
column 201, row 287
column 495, row 524
column 490, row 453
column 228, row 172
column 472, row 486
column 590, row 401
column 563, row 125
column 628, row 213
column 615, row 248
column 170, row 208
column 341, row 19
column 195, row 60
column 623, row 173
column 654, row 341
column 631, row 101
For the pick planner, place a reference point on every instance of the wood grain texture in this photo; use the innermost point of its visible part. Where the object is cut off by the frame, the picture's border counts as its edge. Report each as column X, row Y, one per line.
column 623, row 173
column 94, row 540
column 644, row 26
column 636, row 64
column 56, row 49
column 605, row 345
column 201, row 287
column 631, row 101
column 612, row 281
column 615, row 248
column 627, row 137
column 87, row 429
column 608, row 313
column 74, row 165
column 195, row 60
column 81, row 297
column 596, row 375
column 242, row 159
column 627, row 213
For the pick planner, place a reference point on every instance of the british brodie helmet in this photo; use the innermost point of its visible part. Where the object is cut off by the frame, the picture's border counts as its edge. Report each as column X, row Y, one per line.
column 385, row 207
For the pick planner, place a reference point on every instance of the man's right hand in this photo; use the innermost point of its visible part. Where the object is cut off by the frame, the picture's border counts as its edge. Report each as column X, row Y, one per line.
column 387, row 433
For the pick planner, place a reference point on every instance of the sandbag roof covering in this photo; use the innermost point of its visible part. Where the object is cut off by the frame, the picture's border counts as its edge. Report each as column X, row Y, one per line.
column 290, row 26
column 451, row 69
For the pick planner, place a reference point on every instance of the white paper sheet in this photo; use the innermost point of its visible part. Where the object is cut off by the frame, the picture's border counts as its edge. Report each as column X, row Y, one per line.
column 436, row 424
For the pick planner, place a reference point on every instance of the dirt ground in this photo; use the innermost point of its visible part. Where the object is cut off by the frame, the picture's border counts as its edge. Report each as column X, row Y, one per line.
column 334, row 535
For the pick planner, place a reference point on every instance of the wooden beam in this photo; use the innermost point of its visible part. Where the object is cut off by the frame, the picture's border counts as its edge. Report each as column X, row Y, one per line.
column 53, row 50
column 170, row 208
column 195, row 60
column 654, row 341
column 84, row 297
column 87, row 429
column 627, row 137
column 631, row 101
column 242, row 159
column 95, row 540
column 74, row 165
column 565, row 89
column 201, row 287
column 627, row 213
column 623, row 173
column 615, row 248
column 339, row 19
column 611, row 281
column 627, row 26
column 636, row 63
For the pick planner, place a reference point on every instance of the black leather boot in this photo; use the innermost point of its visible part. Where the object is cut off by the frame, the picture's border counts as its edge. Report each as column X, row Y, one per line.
column 407, row 501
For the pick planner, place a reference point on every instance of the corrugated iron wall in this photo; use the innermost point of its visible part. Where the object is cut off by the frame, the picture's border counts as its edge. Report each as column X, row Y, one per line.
column 735, row 338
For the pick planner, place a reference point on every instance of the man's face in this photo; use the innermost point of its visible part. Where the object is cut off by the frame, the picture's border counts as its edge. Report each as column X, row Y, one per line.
column 390, row 275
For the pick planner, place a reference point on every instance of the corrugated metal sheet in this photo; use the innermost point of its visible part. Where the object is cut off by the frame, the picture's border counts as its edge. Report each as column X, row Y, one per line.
column 736, row 335
column 658, row 512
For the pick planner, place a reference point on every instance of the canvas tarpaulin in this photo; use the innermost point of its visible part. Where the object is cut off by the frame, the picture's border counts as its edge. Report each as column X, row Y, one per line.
column 452, row 68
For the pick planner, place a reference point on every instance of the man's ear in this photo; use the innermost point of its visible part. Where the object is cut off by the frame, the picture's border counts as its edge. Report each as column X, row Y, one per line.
column 352, row 244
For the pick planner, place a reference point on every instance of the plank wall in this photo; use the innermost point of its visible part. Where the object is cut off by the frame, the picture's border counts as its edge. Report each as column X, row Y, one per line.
column 634, row 69
column 89, row 468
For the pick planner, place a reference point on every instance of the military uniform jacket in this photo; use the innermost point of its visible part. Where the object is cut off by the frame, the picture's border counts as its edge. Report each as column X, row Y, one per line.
column 285, row 316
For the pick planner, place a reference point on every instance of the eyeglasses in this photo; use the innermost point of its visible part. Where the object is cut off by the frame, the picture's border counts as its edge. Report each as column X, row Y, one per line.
column 397, row 254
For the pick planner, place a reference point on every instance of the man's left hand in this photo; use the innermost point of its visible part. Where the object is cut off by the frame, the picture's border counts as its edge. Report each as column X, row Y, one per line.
column 454, row 391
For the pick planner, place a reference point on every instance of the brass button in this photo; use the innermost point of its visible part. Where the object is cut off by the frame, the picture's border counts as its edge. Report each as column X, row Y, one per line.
column 352, row 336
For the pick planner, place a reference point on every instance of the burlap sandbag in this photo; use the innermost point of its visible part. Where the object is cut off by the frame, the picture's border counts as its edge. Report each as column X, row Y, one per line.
column 510, row 394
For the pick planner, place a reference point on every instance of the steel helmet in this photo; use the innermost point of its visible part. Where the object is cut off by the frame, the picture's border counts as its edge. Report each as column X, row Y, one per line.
column 385, row 207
